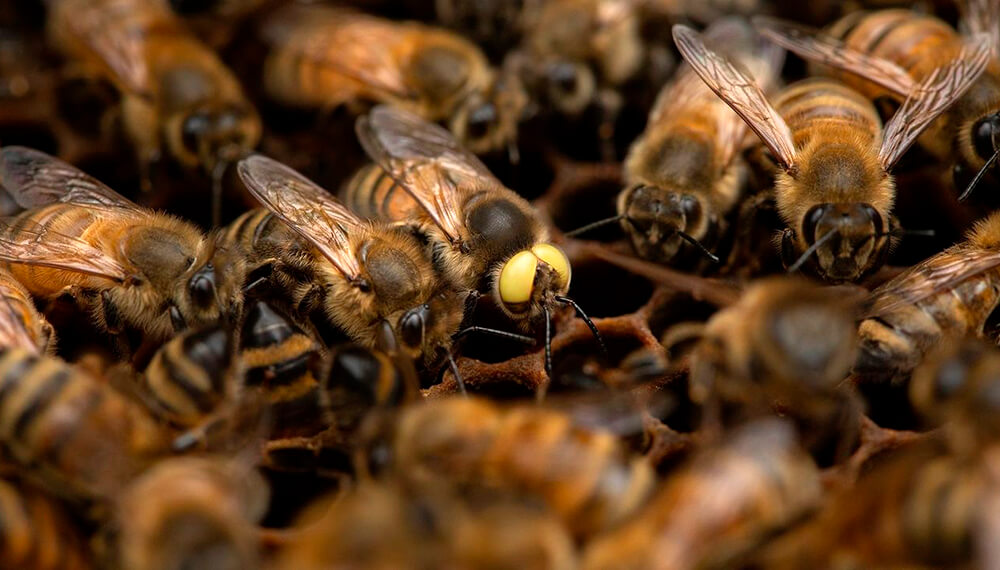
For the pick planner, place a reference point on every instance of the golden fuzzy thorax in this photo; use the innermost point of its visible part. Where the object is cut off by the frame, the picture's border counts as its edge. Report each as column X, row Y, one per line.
column 986, row 233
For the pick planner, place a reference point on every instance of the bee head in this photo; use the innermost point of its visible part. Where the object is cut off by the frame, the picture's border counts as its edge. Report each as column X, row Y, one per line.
column 531, row 274
column 654, row 216
column 570, row 86
column 848, row 240
column 487, row 121
column 208, row 134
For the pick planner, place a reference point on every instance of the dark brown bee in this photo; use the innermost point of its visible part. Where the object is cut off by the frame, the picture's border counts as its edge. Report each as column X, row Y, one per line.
column 21, row 325
column 943, row 298
column 129, row 267
column 178, row 98
column 324, row 57
column 482, row 235
column 684, row 175
column 721, row 504
column 907, row 47
column 78, row 434
column 38, row 533
column 833, row 187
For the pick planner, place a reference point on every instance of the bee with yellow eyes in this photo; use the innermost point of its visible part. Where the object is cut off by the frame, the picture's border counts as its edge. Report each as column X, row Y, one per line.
column 483, row 236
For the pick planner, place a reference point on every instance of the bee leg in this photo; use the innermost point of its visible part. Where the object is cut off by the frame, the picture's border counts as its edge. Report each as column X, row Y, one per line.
column 788, row 255
column 110, row 315
column 311, row 300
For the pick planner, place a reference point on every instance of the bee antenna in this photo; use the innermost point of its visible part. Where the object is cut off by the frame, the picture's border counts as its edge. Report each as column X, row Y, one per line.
column 590, row 324
column 811, row 250
column 495, row 332
column 697, row 244
column 548, row 350
column 900, row 232
column 595, row 225
column 217, row 173
column 979, row 175
column 458, row 375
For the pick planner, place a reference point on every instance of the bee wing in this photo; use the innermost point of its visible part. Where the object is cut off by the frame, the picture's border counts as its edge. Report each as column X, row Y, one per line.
column 35, row 179
column 934, row 275
column 426, row 160
column 308, row 209
column 930, row 98
column 33, row 244
column 740, row 92
column 982, row 17
column 13, row 332
column 814, row 45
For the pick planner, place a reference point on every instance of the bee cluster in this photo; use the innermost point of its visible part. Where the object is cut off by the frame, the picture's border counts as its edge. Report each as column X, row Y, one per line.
column 547, row 284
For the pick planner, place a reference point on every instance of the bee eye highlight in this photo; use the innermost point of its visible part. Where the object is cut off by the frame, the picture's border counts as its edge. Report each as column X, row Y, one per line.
column 517, row 278
column 554, row 258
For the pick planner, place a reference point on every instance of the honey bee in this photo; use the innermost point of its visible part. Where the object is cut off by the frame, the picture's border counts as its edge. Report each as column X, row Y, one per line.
column 386, row 525
column 684, row 174
column 81, row 436
column 722, row 503
column 178, row 98
column 906, row 47
column 326, row 57
column 21, row 325
column 371, row 280
column 38, row 532
column 944, row 298
column 130, row 268
column 483, row 236
column 191, row 512
column 833, row 187
column 585, row 476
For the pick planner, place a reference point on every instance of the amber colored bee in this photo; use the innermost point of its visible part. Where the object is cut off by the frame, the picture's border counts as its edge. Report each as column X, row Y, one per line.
column 38, row 533
column 372, row 281
column 483, row 236
column 723, row 502
column 833, row 187
column 907, row 47
column 178, row 97
column 75, row 431
column 21, row 325
column 585, row 476
column 191, row 512
column 684, row 174
column 385, row 525
column 326, row 57
column 920, row 508
column 945, row 297
column 129, row 267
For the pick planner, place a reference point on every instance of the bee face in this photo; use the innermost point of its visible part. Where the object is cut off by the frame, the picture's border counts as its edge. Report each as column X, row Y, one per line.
column 530, row 275
column 569, row 85
column 814, row 342
column 857, row 242
column 655, row 215
column 487, row 120
column 211, row 133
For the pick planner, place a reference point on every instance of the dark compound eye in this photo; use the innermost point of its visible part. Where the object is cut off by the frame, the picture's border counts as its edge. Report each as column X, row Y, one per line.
column 984, row 135
column 691, row 207
column 564, row 78
column 194, row 128
column 813, row 217
column 202, row 287
column 875, row 217
column 411, row 327
column 480, row 121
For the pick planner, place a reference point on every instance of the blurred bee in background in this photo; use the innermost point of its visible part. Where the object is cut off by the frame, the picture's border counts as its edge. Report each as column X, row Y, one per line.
column 38, row 533
column 482, row 235
column 495, row 25
column 79, row 435
column 685, row 175
column 833, row 186
column 129, row 267
column 324, row 57
column 21, row 325
column 585, row 476
column 944, row 298
column 885, row 54
column 191, row 512
column 178, row 98
column 721, row 504
column 370, row 280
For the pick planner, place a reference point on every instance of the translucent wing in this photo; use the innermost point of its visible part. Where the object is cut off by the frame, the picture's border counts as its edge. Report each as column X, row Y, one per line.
column 982, row 17
column 930, row 98
column 939, row 273
column 814, row 45
column 35, row 179
column 38, row 245
column 740, row 92
column 310, row 210
column 426, row 161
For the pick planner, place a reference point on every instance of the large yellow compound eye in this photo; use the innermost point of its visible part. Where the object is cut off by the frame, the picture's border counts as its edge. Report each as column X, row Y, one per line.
column 517, row 278
column 556, row 259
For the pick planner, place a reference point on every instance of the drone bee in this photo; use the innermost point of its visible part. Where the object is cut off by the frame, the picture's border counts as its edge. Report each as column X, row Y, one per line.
column 178, row 98
column 21, row 325
column 833, row 187
column 725, row 501
column 131, row 268
column 943, row 298
column 326, row 56
column 483, row 236
column 371, row 280
column 38, row 533
column 886, row 53
column 684, row 174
